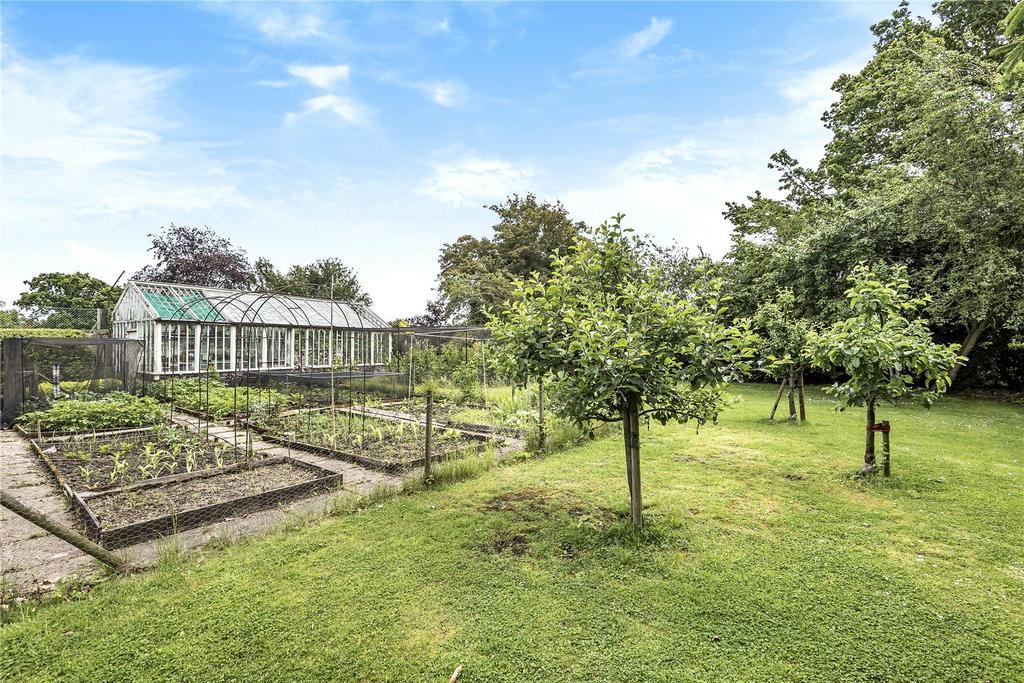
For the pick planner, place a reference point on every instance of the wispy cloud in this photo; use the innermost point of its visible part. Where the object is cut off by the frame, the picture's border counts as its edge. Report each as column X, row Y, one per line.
column 279, row 22
column 474, row 180
column 343, row 108
column 81, row 113
column 446, row 93
column 633, row 57
column 323, row 77
column 636, row 44
column 677, row 187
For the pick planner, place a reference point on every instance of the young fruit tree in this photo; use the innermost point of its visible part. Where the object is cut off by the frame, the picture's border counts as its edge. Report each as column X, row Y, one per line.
column 884, row 352
column 612, row 344
column 782, row 338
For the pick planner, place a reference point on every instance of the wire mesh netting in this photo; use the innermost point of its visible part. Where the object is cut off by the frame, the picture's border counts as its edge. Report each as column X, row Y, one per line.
column 38, row 371
column 15, row 319
column 218, row 446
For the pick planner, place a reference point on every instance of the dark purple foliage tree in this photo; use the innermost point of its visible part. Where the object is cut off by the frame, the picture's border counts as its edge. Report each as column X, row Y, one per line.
column 197, row 256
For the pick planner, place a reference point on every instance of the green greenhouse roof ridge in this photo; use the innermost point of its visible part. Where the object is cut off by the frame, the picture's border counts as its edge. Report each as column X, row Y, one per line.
column 192, row 303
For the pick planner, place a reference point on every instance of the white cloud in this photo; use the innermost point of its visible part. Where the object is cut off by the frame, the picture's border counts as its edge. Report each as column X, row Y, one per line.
column 273, row 84
column 280, row 22
column 677, row 188
column 80, row 113
column 636, row 44
column 93, row 149
column 474, row 180
column 323, row 77
column 633, row 58
column 345, row 108
column 445, row 93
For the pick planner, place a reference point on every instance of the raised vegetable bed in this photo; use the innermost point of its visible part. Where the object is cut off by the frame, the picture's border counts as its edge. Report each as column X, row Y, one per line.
column 173, row 503
column 379, row 443
column 94, row 463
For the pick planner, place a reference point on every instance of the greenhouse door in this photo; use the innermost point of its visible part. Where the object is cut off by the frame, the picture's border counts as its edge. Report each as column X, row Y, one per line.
column 300, row 352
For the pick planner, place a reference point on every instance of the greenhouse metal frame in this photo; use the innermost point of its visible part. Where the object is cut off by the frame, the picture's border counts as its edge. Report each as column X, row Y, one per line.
column 191, row 329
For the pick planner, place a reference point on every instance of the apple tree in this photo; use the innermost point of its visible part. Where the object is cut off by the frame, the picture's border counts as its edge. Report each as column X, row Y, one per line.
column 611, row 343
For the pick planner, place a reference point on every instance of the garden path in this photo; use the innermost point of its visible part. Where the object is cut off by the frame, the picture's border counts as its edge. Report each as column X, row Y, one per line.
column 32, row 559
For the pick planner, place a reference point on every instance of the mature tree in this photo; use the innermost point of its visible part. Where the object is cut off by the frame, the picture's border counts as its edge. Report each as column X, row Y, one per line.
column 51, row 292
column 782, row 336
column 477, row 273
column 1012, row 52
column 679, row 271
column 925, row 167
column 932, row 161
column 884, row 354
column 322, row 279
column 612, row 343
column 197, row 256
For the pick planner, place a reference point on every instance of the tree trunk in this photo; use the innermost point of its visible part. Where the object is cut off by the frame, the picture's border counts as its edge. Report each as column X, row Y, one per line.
column 803, row 409
column 869, row 441
column 792, row 397
column 778, row 397
column 631, row 438
column 969, row 342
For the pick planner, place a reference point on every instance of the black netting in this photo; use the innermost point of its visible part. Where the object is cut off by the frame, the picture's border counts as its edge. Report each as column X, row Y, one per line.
column 40, row 370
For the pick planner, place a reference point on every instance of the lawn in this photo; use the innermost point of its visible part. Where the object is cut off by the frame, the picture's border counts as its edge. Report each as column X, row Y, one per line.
column 761, row 560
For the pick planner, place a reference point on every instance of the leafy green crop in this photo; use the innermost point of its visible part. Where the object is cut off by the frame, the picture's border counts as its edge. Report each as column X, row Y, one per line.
column 114, row 410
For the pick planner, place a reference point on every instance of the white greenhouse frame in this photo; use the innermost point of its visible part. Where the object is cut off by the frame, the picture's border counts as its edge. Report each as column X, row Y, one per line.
column 189, row 329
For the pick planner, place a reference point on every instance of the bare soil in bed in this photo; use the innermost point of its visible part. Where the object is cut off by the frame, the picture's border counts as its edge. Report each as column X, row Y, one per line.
column 120, row 508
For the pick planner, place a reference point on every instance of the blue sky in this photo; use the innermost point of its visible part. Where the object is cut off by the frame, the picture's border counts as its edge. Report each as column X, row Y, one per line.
column 377, row 132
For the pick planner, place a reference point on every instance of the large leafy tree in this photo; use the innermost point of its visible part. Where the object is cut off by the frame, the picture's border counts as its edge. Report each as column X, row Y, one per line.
column 323, row 279
column 884, row 352
column 51, row 292
column 925, row 167
column 612, row 343
column 197, row 256
column 476, row 273
column 1012, row 52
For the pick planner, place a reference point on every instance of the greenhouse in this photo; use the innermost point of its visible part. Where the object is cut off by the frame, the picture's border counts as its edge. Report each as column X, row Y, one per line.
column 190, row 329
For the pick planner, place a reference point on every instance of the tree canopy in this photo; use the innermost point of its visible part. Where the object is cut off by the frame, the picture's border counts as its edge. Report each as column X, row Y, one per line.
column 323, row 279
column 51, row 292
column 925, row 168
column 476, row 273
column 197, row 256
column 613, row 343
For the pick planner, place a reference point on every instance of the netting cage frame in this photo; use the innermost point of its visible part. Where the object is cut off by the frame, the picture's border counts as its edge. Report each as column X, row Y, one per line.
column 103, row 365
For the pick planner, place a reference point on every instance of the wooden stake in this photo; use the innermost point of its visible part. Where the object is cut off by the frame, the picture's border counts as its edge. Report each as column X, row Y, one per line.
column 540, row 401
column 430, row 426
column 792, row 403
column 778, row 397
column 60, row 531
column 803, row 410
column 885, row 447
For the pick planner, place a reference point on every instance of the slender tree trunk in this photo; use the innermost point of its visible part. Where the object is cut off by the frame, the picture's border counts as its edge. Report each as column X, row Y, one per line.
column 869, row 441
column 803, row 409
column 627, row 428
column 792, row 403
column 637, row 502
column 778, row 397
column 965, row 349
column 631, row 441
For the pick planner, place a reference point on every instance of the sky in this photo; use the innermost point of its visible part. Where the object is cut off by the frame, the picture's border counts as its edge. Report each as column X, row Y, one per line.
column 377, row 132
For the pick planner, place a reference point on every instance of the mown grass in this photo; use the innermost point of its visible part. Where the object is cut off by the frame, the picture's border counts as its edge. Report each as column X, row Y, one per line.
column 762, row 559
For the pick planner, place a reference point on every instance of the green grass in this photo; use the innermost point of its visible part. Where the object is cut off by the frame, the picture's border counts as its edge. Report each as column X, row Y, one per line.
column 761, row 560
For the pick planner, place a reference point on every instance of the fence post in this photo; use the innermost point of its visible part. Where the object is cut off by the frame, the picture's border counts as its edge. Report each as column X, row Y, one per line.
column 430, row 428
column 60, row 531
column 885, row 447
